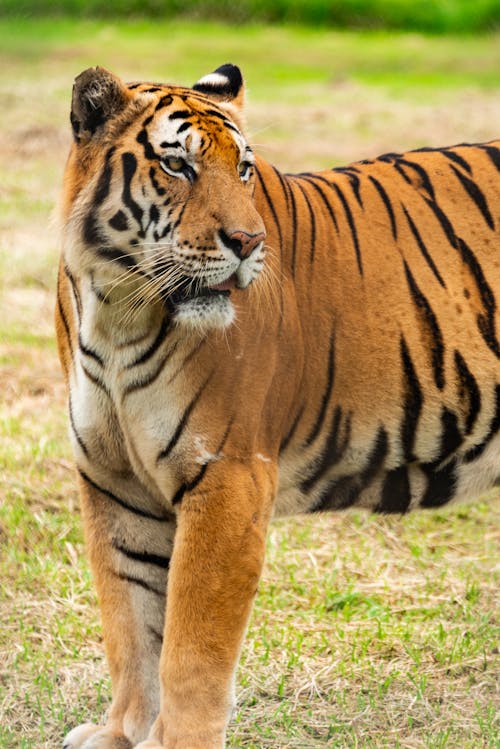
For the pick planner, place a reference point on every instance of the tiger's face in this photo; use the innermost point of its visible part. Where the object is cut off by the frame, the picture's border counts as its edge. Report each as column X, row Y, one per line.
column 160, row 184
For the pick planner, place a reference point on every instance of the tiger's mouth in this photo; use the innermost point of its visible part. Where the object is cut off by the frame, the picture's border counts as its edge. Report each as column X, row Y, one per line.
column 188, row 290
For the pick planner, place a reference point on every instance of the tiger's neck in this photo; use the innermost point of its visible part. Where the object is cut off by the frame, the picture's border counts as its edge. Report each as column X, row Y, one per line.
column 114, row 312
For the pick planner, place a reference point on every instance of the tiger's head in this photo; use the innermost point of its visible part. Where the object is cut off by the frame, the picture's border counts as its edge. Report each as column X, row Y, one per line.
column 158, row 194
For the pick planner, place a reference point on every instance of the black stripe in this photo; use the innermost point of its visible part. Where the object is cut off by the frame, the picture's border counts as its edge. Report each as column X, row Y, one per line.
column 375, row 460
column 76, row 291
column 129, row 164
column 387, row 203
column 494, row 428
column 351, row 169
column 396, row 492
column 446, row 224
column 423, row 249
column 98, row 382
column 215, row 113
column 186, row 360
column 232, row 127
column 419, row 169
column 364, row 479
column 89, row 352
column 122, row 258
column 333, row 449
column 165, row 101
column 152, row 376
column 142, row 584
column 171, row 144
column 440, row 485
column 323, row 198
column 270, row 204
column 454, row 156
column 179, row 218
column 486, row 321
column 397, row 166
column 286, row 440
column 119, row 221
column 352, row 225
column 355, row 183
column 74, row 429
column 148, row 380
column 387, row 158
column 157, row 635
column 412, row 403
column 91, row 230
column 475, row 193
column 342, row 493
column 126, row 506
column 468, row 392
column 154, row 215
column 155, row 345
column 196, row 480
column 312, row 220
column 327, row 393
column 284, row 185
column 493, row 154
column 429, row 319
column 189, row 485
column 133, row 341
column 183, row 421
column 144, row 557
column 142, row 138
column 64, row 318
column 451, row 437
column 180, row 114
column 158, row 188
column 294, row 226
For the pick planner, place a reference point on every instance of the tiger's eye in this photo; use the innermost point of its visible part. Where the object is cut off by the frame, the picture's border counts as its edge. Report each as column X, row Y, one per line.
column 175, row 164
column 244, row 169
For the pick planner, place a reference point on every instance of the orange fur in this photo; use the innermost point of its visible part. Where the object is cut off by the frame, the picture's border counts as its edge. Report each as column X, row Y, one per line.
column 352, row 358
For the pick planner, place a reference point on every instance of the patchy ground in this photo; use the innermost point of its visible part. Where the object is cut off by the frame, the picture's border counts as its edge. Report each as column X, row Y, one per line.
column 367, row 632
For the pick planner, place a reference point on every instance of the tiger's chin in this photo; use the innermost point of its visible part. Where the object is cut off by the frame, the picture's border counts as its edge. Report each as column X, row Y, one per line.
column 205, row 312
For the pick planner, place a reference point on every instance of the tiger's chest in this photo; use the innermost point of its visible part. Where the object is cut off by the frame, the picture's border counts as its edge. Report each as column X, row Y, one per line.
column 127, row 395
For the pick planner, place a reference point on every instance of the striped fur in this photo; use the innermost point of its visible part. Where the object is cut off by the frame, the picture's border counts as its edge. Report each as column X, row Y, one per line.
column 240, row 343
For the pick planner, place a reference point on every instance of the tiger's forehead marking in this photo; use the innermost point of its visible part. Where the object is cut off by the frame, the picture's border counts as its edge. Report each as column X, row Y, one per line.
column 185, row 123
column 165, row 134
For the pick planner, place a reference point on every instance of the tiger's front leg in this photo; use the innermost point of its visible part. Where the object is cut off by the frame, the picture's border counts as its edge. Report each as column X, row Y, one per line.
column 215, row 568
column 129, row 550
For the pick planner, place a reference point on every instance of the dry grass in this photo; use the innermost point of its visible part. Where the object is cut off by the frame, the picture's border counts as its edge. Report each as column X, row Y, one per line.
column 367, row 632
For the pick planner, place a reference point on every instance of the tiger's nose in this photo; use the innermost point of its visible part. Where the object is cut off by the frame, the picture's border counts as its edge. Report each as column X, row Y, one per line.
column 241, row 243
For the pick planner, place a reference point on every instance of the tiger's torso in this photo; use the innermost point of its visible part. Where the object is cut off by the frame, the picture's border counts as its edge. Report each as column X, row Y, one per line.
column 366, row 368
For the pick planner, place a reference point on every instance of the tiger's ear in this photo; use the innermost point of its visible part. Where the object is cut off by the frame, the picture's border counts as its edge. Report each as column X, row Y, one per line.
column 97, row 96
column 224, row 85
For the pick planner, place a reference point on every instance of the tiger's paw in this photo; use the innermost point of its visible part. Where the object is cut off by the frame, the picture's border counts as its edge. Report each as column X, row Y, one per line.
column 148, row 744
column 89, row 736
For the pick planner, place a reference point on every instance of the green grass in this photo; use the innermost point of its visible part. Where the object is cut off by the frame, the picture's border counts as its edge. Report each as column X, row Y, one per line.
column 367, row 632
column 439, row 16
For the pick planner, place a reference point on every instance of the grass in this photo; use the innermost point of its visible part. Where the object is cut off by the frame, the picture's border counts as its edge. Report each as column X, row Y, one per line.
column 439, row 16
column 367, row 631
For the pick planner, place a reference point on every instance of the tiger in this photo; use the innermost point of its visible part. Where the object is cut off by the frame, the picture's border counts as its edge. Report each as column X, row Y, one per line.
column 240, row 344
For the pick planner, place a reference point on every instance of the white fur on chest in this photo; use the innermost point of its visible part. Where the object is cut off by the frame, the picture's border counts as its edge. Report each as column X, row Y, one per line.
column 120, row 423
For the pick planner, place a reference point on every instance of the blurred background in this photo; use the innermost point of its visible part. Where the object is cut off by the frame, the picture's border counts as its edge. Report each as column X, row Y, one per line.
column 367, row 632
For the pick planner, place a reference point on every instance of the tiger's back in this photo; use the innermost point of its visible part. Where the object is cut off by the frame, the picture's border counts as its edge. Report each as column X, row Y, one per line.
column 400, row 274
